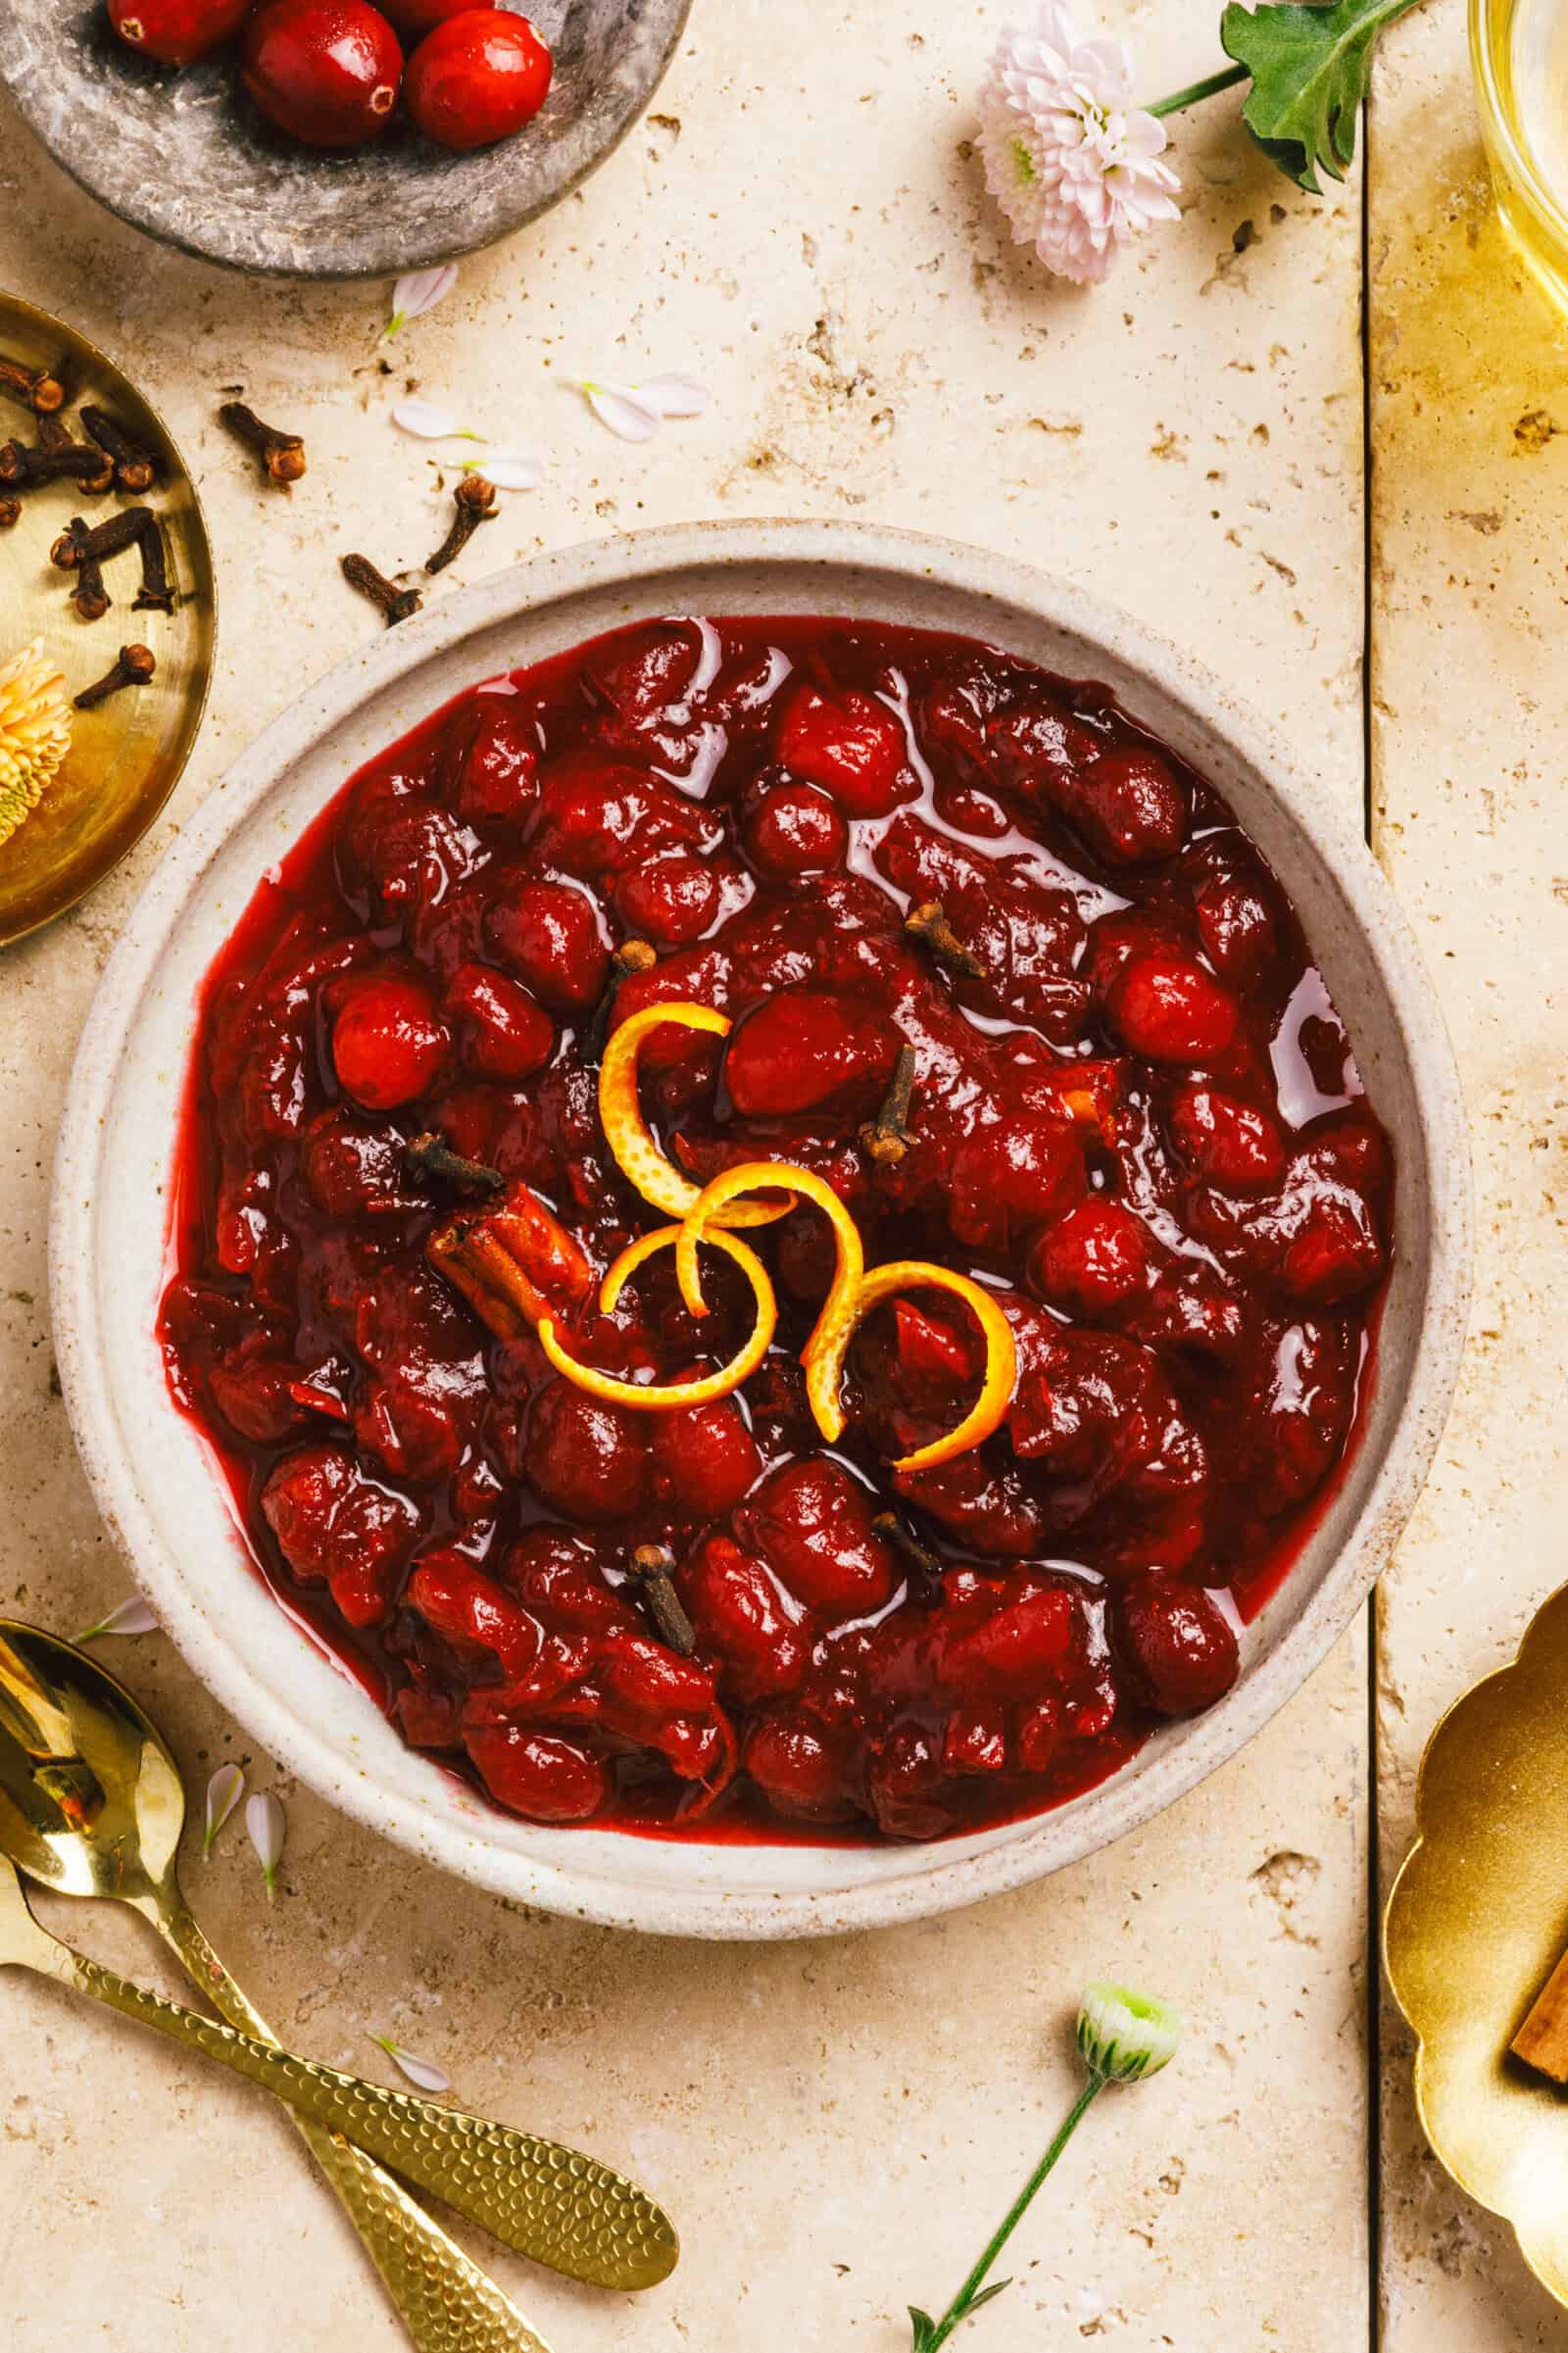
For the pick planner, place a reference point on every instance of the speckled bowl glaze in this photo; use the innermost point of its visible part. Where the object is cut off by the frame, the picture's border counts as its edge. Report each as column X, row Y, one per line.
column 185, row 155
column 167, row 1508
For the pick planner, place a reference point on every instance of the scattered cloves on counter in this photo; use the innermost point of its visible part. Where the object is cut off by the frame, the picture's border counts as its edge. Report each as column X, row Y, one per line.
column 651, row 1566
column 886, row 1138
column 134, row 668
column 35, row 387
column 396, row 604
column 889, row 1526
column 430, row 1156
column 632, row 956
column 475, row 503
column 135, row 469
column 930, row 924
column 281, row 454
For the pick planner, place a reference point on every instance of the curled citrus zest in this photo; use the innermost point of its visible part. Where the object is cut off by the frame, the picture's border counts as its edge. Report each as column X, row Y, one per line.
column 767, row 1176
column 657, row 1398
column 627, row 1131
column 824, row 1353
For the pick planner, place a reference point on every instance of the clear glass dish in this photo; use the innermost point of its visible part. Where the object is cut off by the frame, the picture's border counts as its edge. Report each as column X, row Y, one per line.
column 1520, row 53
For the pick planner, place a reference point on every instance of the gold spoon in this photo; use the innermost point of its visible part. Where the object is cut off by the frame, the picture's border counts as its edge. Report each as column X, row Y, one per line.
column 91, row 1803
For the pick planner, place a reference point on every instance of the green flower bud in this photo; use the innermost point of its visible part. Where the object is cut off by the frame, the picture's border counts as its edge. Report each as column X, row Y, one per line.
column 1123, row 2036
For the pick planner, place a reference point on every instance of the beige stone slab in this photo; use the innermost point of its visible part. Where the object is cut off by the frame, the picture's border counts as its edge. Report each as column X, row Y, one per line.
column 1470, row 720
column 835, row 2127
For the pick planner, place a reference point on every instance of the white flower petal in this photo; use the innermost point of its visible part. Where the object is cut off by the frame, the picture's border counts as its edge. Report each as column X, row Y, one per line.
column 508, row 469
column 224, row 1794
column 622, row 407
column 675, row 395
column 424, row 2073
column 131, row 1616
column 425, row 420
column 420, row 291
column 267, row 1824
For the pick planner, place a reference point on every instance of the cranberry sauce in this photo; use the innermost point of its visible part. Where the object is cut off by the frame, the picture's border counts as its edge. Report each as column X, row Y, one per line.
column 1135, row 1119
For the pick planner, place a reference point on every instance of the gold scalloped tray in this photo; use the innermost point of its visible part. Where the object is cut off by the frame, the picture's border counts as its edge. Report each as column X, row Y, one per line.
column 1477, row 1920
column 126, row 756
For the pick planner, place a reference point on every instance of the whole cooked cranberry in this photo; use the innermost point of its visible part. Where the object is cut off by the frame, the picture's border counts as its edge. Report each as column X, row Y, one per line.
column 641, row 674
column 1226, row 1141
column 176, row 31
column 471, row 1611
column 793, row 829
column 1017, row 1648
column 904, row 1784
column 498, row 781
column 671, row 901
column 1169, row 1010
column 537, row 1774
column 1335, row 1254
column 971, row 810
column 1095, row 1261
column 477, row 77
column 1235, row 903
column 985, row 1505
column 552, row 937
column 333, row 1523
column 587, row 1457
column 850, row 743
column 598, row 817
column 352, row 1165
column 1010, row 1176
column 1128, row 807
column 800, row 1767
column 324, row 70
column 1179, row 1643
column 804, row 1049
column 388, row 1043
column 811, row 1523
column 1035, row 743
column 503, row 1032
column 743, row 1620
column 704, row 1458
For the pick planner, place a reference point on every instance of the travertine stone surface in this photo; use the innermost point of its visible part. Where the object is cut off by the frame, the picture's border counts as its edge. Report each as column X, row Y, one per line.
column 835, row 2126
column 1469, row 385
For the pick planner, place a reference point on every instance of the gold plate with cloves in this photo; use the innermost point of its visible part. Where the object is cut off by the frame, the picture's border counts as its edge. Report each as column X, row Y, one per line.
column 126, row 756
column 1477, row 1922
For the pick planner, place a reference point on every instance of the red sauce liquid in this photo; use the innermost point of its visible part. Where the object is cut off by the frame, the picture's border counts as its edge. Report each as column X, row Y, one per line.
column 1135, row 1120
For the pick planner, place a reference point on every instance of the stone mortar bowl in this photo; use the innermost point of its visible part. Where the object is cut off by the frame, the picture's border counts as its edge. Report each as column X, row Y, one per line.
column 159, row 1491
column 185, row 156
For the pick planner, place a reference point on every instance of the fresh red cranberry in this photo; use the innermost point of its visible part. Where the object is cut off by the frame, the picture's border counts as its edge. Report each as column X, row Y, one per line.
column 1012, row 1176
column 498, row 781
column 1226, row 1141
column 538, row 1774
column 811, row 1523
column 850, row 743
column 413, row 18
column 671, row 902
column 586, row 1457
column 1095, row 1261
column 504, row 1032
column 388, row 1043
column 324, row 70
column 477, row 77
column 704, row 1458
column 176, row 31
column 742, row 1618
column 1169, row 1010
column 793, row 829
column 1180, row 1644
column 1128, row 807
column 551, row 936
column 804, row 1049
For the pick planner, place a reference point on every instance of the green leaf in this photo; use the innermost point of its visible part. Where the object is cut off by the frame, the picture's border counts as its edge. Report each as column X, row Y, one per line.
column 925, row 2329
column 1310, row 65
column 986, row 2294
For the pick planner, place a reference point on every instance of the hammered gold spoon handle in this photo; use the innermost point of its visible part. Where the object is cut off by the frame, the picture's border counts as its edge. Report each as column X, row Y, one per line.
column 447, row 2303
column 541, row 2199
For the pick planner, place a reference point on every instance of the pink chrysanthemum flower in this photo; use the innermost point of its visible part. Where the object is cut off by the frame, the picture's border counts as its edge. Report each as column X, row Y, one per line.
column 1072, row 163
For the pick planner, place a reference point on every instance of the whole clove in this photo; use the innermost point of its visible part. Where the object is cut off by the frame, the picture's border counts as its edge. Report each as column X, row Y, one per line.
column 156, row 593
column 896, row 1531
column 134, row 668
column 108, row 538
column 930, row 925
column 10, row 512
column 281, row 454
column 396, row 604
column 886, row 1138
column 430, row 1156
column 135, row 469
column 475, row 503
column 632, row 956
column 83, row 461
column 89, row 596
column 651, row 1566
column 35, row 387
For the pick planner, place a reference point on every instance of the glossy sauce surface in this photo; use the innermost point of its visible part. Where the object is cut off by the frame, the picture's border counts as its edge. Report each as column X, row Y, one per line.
column 1135, row 1119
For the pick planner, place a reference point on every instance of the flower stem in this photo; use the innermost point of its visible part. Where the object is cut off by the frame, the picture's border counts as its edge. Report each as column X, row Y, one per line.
column 1199, row 90
column 962, row 2303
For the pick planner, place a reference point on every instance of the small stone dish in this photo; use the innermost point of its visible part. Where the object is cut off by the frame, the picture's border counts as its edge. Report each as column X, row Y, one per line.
column 1476, row 1922
column 185, row 156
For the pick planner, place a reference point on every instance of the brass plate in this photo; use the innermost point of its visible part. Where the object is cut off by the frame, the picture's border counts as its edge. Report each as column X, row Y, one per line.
column 126, row 756
column 1477, row 1920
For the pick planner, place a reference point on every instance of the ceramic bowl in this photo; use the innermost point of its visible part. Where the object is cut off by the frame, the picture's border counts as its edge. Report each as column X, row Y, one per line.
column 187, row 157
column 158, row 1488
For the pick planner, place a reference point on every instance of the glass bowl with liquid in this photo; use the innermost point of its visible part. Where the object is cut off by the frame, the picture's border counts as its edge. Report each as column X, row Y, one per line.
column 1520, row 53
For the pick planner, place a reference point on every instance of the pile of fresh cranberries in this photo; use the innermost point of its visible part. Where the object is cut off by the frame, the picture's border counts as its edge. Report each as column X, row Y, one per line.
column 330, row 72
column 1135, row 1121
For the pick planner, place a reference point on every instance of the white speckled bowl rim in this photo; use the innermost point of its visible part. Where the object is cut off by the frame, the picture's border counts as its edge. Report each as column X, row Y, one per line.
column 154, row 1482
